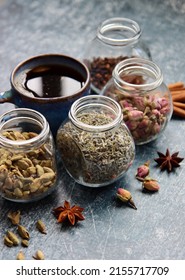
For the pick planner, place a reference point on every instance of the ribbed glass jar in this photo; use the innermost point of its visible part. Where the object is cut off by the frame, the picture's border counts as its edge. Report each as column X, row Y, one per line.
column 137, row 85
column 27, row 156
column 116, row 39
column 95, row 145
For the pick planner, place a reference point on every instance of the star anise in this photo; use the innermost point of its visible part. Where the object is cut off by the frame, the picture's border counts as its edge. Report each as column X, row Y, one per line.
column 73, row 214
column 168, row 161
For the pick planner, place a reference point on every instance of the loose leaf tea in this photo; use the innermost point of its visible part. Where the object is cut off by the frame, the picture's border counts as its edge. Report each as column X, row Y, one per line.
column 101, row 69
column 95, row 157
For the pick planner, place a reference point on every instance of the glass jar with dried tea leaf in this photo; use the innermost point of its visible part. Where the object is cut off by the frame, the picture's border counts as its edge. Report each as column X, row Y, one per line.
column 95, row 145
column 116, row 39
column 27, row 156
column 137, row 85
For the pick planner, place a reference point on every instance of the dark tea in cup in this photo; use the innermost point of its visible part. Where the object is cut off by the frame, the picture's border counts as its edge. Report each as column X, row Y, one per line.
column 48, row 83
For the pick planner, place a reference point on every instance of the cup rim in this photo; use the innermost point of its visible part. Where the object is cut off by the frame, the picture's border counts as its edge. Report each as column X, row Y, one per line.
column 51, row 99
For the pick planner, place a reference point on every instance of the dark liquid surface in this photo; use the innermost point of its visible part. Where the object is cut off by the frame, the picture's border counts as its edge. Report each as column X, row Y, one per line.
column 48, row 81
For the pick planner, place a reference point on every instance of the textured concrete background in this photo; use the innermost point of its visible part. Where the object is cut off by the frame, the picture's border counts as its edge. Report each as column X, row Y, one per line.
column 111, row 230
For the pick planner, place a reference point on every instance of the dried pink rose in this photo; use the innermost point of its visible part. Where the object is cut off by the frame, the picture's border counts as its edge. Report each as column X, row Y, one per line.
column 150, row 184
column 143, row 171
column 135, row 115
column 126, row 197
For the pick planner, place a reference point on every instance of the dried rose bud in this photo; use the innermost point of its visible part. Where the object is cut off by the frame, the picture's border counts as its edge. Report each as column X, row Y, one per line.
column 144, row 123
column 132, row 125
column 135, row 115
column 150, row 184
column 126, row 197
column 143, row 171
column 155, row 113
column 125, row 104
column 163, row 102
column 156, row 128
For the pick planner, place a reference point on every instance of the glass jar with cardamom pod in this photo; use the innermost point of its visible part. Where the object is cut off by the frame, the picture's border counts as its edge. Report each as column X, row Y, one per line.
column 27, row 156
column 116, row 39
column 137, row 85
column 95, row 145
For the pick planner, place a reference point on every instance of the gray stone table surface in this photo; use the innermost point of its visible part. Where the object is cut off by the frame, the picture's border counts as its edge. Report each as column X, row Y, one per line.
column 111, row 230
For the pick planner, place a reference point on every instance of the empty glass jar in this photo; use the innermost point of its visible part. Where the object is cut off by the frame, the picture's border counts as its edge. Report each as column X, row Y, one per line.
column 95, row 145
column 27, row 156
column 116, row 39
column 137, row 85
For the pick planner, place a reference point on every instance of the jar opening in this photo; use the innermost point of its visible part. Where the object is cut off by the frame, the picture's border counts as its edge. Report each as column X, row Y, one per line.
column 95, row 112
column 119, row 31
column 23, row 120
column 137, row 74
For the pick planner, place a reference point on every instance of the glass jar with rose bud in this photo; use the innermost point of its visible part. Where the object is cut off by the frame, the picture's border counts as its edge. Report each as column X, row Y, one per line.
column 137, row 85
column 116, row 39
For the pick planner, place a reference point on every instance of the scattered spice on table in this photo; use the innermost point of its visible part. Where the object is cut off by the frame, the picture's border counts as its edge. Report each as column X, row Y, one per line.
column 41, row 226
column 14, row 217
column 126, row 197
column 66, row 212
column 20, row 256
column 25, row 242
column 150, row 184
column 143, row 171
column 23, row 232
column 39, row 255
column 167, row 161
column 11, row 236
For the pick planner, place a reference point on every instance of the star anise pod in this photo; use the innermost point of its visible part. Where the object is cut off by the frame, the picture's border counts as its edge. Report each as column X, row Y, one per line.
column 168, row 161
column 73, row 214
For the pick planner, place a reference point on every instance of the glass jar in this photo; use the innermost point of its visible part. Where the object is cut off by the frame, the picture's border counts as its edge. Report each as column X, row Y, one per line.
column 116, row 39
column 27, row 156
column 137, row 85
column 95, row 145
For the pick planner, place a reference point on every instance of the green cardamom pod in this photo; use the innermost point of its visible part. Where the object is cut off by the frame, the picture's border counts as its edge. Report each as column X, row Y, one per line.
column 7, row 241
column 14, row 217
column 39, row 255
column 41, row 226
column 13, row 237
column 25, row 242
column 20, row 256
column 23, row 232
